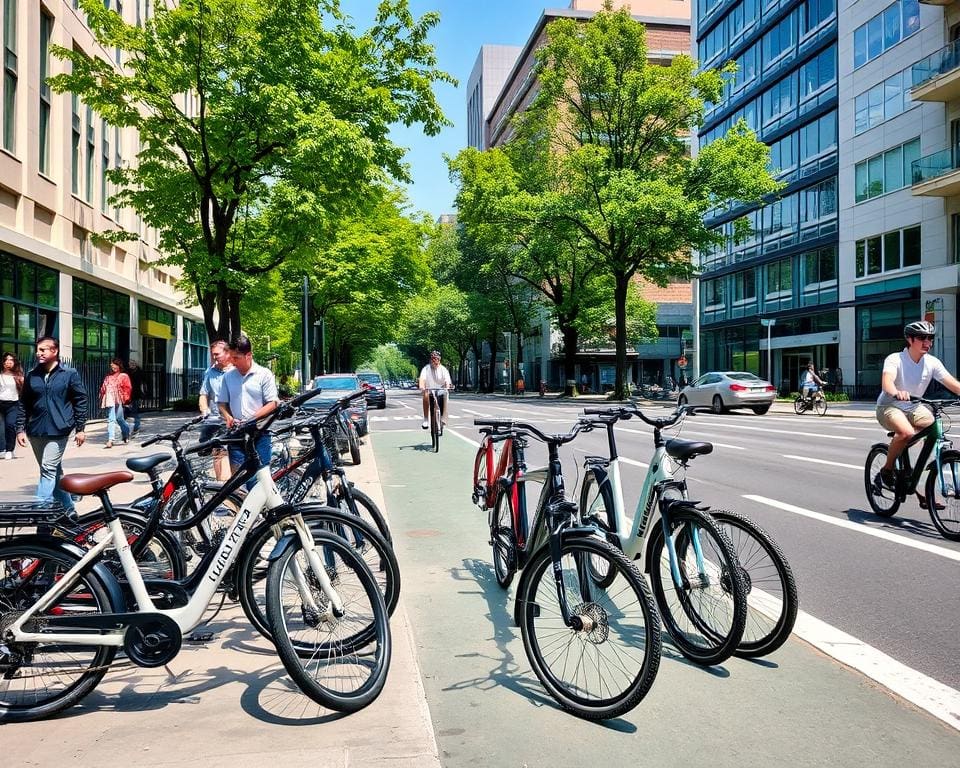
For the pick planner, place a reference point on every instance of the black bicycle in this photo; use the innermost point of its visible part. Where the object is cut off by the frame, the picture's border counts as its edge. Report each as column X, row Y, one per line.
column 940, row 461
column 594, row 647
column 436, row 416
column 816, row 401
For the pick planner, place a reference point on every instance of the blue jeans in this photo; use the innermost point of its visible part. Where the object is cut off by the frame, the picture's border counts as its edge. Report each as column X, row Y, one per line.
column 49, row 453
column 114, row 418
column 264, row 451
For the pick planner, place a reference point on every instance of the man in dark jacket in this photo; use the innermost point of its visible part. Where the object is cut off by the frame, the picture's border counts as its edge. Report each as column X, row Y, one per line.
column 54, row 403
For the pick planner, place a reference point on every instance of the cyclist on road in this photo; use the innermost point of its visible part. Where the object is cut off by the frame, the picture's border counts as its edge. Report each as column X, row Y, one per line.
column 809, row 381
column 905, row 374
column 434, row 376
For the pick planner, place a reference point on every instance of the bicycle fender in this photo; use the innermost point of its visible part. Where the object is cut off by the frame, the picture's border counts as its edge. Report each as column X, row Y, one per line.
column 284, row 543
column 107, row 579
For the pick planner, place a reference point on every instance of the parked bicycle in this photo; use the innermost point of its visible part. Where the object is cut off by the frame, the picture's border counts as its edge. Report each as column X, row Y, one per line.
column 493, row 461
column 940, row 461
column 690, row 587
column 64, row 615
column 816, row 401
column 594, row 647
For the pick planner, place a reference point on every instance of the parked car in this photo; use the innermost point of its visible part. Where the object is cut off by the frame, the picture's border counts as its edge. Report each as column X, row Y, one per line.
column 723, row 390
column 376, row 390
column 331, row 388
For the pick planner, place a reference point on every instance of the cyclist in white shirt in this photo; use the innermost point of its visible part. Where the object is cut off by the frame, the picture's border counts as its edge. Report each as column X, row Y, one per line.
column 907, row 374
column 434, row 376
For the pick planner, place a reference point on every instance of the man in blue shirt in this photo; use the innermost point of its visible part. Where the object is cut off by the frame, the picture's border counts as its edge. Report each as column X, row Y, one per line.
column 54, row 404
column 211, row 393
column 249, row 394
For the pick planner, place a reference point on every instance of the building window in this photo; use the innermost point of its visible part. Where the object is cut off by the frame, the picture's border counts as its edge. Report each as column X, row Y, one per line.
column 818, row 138
column 104, row 164
column 888, row 252
column 778, row 291
column 885, row 172
column 101, row 323
column 744, row 287
column 780, row 41
column 882, row 102
column 43, row 127
column 779, row 103
column 29, row 298
column 91, row 154
column 713, row 299
column 9, row 74
column 196, row 355
column 896, row 22
column 818, row 276
column 815, row 14
column 158, row 315
column 955, row 232
column 76, row 150
column 117, row 162
column 817, row 77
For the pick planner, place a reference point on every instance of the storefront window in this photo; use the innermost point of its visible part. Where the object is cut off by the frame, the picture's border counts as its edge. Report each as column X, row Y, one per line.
column 101, row 323
column 28, row 305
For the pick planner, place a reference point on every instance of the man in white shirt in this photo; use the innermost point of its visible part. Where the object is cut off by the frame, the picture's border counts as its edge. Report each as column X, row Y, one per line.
column 249, row 394
column 434, row 376
column 211, row 393
column 907, row 374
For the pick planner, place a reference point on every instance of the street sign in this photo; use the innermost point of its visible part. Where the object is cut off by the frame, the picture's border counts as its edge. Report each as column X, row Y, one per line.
column 766, row 322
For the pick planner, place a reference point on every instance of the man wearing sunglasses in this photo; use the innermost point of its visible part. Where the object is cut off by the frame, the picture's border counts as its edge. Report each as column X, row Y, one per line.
column 905, row 374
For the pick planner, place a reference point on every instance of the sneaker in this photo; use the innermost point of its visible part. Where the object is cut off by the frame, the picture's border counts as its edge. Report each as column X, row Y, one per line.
column 7, row 455
column 887, row 478
column 425, row 425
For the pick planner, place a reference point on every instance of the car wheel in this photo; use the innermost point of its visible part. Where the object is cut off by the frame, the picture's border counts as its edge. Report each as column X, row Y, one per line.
column 760, row 409
column 717, row 404
column 382, row 405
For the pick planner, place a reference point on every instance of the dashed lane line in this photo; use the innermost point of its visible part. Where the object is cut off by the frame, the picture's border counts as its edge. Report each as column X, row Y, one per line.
column 858, row 467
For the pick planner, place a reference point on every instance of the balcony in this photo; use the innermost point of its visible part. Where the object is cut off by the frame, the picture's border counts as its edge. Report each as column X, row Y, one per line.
column 936, row 175
column 937, row 77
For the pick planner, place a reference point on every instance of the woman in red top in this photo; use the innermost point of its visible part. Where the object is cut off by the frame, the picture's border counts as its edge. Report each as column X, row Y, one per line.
column 114, row 394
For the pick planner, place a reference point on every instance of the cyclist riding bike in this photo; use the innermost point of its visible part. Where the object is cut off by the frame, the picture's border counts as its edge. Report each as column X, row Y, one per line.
column 809, row 382
column 907, row 374
column 436, row 377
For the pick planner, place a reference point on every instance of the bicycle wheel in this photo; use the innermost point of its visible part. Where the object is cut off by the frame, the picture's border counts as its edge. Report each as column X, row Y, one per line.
column 480, row 480
column 706, row 612
column 349, row 499
column 434, row 425
column 503, row 540
column 341, row 662
column 593, row 511
column 353, row 441
column 161, row 557
column 605, row 668
column 947, row 519
column 209, row 531
column 798, row 406
column 883, row 501
column 251, row 573
column 819, row 404
column 40, row 679
column 772, row 600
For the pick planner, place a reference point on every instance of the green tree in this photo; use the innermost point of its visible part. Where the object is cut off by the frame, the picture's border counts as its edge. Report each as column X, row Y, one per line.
column 618, row 127
column 389, row 362
column 272, row 109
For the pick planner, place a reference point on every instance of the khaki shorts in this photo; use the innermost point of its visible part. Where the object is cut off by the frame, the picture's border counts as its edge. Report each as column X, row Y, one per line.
column 919, row 417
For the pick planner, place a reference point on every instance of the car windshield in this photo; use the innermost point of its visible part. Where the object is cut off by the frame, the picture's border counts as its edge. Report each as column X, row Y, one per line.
column 743, row 377
column 372, row 378
column 339, row 382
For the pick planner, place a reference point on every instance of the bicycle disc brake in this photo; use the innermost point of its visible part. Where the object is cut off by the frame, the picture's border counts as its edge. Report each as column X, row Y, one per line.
column 596, row 626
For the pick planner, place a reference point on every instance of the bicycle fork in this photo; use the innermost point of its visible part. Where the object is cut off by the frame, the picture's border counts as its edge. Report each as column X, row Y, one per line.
column 557, row 514
column 693, row 531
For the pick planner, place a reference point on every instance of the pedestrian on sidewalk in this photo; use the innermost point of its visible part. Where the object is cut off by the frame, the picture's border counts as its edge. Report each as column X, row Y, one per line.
column 53, row 404
column 11, row 382
column 211, row 393
column 115, row 393
column 138, row 389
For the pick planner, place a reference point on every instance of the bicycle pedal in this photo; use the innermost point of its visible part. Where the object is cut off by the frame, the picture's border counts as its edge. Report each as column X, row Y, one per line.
column 199, row 637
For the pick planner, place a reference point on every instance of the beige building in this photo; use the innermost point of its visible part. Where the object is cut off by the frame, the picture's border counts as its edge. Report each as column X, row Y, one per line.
column 101, row 300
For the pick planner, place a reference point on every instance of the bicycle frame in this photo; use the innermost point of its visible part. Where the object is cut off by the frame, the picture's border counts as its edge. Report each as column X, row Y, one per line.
column 934, row 442
column 496, row 467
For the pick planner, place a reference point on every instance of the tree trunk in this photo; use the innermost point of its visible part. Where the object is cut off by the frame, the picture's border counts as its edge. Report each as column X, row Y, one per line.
column 492, row 370
column 571, row 339
column 620, row 300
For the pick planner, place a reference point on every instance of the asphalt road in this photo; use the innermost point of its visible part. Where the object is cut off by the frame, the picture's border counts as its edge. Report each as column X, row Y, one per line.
column 801, row 478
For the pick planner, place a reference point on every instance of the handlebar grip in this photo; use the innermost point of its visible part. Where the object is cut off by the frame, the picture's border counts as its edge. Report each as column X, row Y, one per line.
column 595, row 410
column 493, row 422
column 151, row 441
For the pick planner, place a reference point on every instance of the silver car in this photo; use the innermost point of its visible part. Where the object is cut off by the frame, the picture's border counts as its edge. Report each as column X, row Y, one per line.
column 722, row 390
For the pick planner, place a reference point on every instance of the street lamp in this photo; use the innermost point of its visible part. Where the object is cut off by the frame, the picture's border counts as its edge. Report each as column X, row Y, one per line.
column 508, row 336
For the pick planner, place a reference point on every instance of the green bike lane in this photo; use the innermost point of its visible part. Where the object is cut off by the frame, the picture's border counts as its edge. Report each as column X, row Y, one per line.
column 488, row 708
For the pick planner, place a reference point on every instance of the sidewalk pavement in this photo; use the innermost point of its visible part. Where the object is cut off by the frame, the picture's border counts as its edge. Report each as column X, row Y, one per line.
column 227, row 703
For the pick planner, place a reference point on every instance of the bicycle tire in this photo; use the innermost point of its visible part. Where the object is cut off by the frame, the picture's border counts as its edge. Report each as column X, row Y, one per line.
column 353, row 442
column 772, row 600
column 356, row 502
column 481, row 490
column 434, row 425
column 252, row 566
column 883, row 501
column 819, row 404
column 798, row 405
column 946, row 520
column 625, row 640
column 89, row 596
column 593, row 511
column 503, row 540
column 706, row 620
column 356, row 678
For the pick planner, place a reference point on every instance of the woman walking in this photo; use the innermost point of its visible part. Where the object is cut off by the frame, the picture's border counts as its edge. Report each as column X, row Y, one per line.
column 114, row 394
column 11, row 383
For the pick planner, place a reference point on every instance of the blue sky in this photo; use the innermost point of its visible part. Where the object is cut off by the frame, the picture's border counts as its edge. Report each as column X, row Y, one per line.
column 464, row 26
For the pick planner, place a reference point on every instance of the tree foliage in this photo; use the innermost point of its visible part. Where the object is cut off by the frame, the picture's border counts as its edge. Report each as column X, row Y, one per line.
column 261, row 122
column 389, row 362
column 617, row 127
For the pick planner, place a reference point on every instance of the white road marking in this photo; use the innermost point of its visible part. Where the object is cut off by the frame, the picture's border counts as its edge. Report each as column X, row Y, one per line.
column 896, row 538
column 477, row 413
column 791, row 432
column 465, row 439
column 634, row 463
column 858, row 467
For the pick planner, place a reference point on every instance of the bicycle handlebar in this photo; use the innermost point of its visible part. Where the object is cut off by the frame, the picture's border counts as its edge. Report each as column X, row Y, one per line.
column 615, row 413
column 175, row 435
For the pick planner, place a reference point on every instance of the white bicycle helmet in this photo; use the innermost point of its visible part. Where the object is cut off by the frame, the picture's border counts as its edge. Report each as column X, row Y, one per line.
column 919, row 328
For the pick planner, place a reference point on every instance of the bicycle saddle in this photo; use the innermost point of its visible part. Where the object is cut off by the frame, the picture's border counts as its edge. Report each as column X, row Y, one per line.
column 87, row 485
column 146, row 463
column 687, row 449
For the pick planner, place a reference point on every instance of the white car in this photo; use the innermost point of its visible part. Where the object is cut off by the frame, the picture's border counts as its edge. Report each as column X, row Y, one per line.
column 722, row 390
